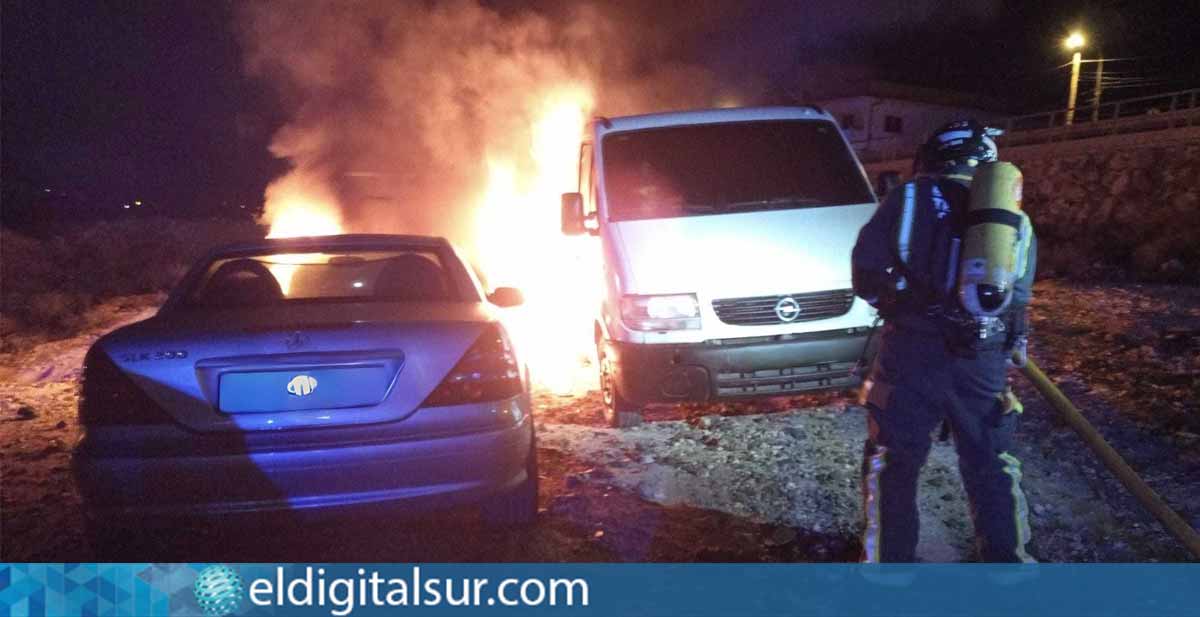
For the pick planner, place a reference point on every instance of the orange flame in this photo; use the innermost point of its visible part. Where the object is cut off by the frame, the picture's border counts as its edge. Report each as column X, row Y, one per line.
column 302, row 219
column 518, row 240
column 295, row 209
column 520, row 244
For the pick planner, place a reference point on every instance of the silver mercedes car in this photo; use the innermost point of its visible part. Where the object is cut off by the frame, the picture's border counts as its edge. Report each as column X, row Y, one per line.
column 311, row 375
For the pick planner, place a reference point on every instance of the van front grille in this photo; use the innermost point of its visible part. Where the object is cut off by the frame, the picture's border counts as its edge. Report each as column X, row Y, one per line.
column 771, row 382
column 762, row 310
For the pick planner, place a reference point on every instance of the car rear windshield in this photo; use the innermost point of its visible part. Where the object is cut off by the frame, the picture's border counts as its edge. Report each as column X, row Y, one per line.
column 731, row 167
column 352, row 276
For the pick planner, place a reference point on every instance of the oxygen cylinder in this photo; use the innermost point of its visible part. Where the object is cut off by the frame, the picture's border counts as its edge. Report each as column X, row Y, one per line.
column 990, row 262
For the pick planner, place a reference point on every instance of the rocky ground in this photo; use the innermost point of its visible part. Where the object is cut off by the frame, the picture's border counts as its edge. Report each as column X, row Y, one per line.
column 772, row 480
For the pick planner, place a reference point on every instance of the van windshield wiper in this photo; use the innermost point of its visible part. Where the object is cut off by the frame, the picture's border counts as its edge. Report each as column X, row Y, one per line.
column 774, row 202
column 703, row 207
column 755, row 204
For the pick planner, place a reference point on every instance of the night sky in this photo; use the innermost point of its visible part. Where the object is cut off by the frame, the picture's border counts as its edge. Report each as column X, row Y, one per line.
column 117, row 101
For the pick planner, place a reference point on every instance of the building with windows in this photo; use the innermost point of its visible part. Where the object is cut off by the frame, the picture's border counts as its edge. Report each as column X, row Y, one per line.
column 885, row 120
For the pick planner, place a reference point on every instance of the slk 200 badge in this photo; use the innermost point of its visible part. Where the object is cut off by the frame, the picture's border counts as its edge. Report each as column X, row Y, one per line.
column 155, row 355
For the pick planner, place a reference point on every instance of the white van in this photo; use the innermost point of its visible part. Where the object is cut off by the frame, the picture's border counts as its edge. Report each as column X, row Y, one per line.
column 726, row 236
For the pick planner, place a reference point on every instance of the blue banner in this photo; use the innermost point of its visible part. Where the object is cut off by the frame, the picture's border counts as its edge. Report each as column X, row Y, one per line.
column 222, row 590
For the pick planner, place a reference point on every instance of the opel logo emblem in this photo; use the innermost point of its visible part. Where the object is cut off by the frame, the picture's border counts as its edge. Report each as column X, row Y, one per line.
column 787, row 309
column 302, row 385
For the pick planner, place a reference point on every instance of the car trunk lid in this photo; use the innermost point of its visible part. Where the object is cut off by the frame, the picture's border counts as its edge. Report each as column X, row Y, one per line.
column 305, row 366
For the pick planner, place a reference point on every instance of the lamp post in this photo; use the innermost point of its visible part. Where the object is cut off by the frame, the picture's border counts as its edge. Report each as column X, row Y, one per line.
column 1073, row 43
column 1096, row 91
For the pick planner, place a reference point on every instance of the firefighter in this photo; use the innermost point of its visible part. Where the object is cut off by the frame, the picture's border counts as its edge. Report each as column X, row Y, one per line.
column 939, row 365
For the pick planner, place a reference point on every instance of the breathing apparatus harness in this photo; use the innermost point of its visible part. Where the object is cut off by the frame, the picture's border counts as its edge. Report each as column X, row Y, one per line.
column 964, row 286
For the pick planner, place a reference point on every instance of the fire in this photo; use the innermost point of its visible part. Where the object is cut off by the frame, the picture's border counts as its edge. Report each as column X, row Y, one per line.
column 295, row 209
column 518, row 240
column 302, row 219
column 520, row 244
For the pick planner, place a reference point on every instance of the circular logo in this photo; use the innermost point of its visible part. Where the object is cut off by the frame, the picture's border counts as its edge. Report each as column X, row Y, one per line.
column 218, row 590
column 302, row 385
column 787, row 309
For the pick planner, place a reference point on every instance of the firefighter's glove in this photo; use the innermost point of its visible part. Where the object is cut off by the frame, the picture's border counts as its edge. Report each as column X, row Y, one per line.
column 1010, row 403
column 1019, row 356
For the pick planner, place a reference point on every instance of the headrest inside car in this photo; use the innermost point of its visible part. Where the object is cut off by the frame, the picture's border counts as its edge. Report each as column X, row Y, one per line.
column 411, row 278
column 242, row 282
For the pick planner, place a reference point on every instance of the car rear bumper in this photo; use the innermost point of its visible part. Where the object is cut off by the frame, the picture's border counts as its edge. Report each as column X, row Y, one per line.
column 736, row 368
column 412, row 474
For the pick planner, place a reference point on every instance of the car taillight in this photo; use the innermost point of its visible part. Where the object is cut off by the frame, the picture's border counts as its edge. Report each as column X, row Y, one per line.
column 487, row 372
column 107, row 396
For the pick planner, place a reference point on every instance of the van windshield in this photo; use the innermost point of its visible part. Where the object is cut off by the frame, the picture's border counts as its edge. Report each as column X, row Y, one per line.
column 733, row 167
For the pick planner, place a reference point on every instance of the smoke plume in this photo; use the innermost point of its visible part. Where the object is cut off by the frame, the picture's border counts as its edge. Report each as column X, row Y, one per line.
column 396, row 107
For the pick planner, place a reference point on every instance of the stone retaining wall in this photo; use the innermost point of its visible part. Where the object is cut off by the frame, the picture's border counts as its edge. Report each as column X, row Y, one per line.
column 1120, row 207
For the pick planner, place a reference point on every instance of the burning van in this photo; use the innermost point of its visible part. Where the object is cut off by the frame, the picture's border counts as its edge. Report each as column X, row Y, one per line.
column 726, row 238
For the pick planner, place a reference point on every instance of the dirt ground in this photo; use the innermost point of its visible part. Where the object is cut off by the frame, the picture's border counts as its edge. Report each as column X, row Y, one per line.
column 769, row 480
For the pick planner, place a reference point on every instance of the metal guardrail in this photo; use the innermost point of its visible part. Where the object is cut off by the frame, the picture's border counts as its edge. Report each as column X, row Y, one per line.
column 1164, row 104
column 1148, row 113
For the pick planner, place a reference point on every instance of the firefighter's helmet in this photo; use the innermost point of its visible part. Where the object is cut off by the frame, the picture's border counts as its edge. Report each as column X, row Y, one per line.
column 957, row 143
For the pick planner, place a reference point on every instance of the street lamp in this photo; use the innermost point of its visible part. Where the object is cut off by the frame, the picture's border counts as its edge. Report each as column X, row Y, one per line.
column 1074, row 43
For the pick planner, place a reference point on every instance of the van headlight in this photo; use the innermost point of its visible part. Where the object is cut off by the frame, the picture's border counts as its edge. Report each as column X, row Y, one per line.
column 673, row 312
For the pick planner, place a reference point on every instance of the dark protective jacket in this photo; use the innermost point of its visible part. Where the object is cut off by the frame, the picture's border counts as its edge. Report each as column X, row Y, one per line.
column 929, row 273
column 927, row 373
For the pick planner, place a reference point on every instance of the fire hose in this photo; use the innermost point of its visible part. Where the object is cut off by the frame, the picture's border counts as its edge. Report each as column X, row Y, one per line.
column 1149, row 499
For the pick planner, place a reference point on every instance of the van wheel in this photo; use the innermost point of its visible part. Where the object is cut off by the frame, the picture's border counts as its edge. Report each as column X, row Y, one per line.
column 618, row 412
column 517, row 507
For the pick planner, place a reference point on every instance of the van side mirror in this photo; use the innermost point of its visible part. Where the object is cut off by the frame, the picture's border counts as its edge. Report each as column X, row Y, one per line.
column 506, row 297
column 886, row 181
column 572, row 214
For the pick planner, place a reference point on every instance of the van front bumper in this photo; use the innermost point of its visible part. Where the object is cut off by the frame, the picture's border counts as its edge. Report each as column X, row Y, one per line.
column 735, row 368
